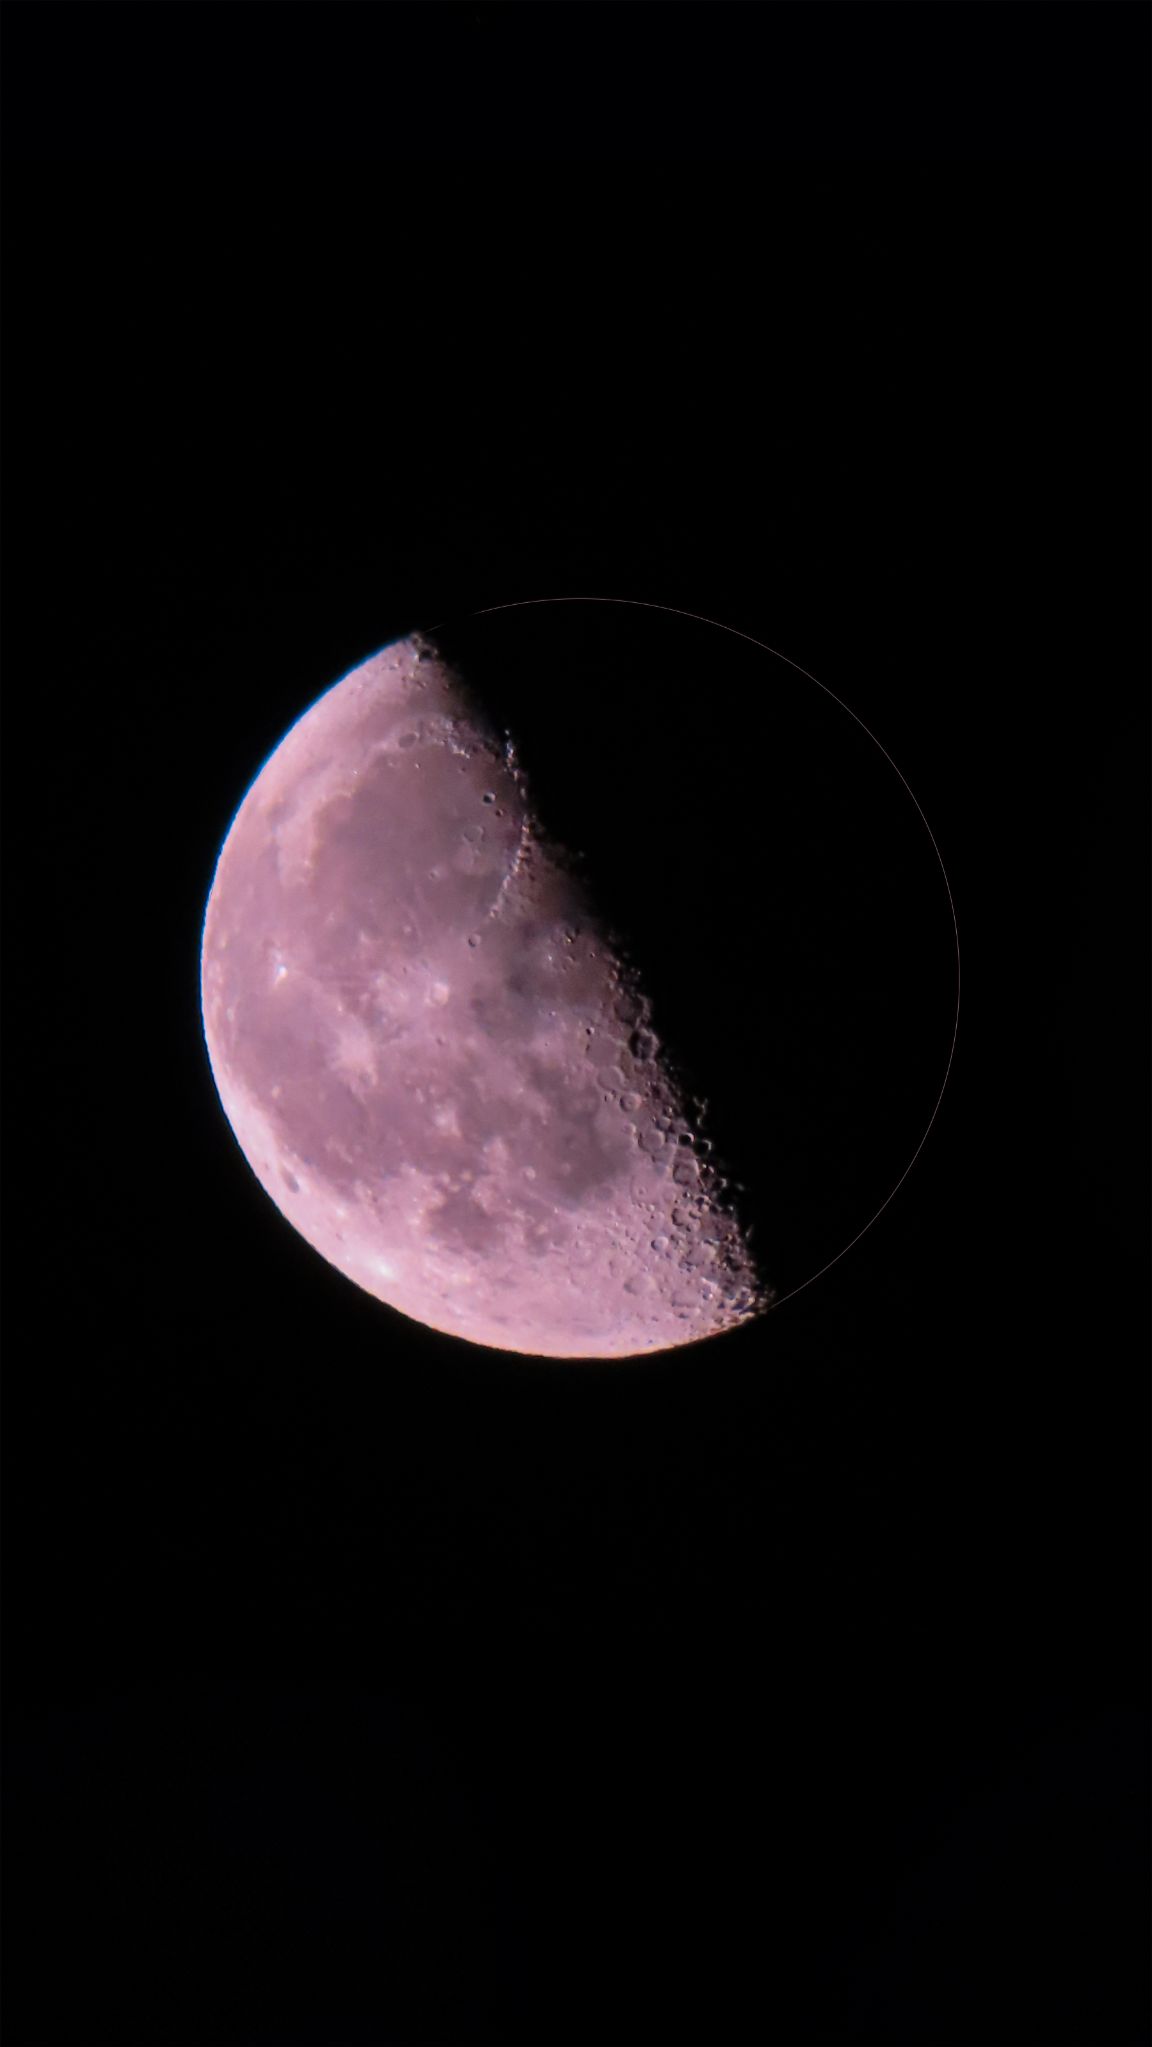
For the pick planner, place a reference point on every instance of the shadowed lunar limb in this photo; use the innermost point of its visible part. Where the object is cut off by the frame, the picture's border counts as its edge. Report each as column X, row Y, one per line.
column 430, row 1052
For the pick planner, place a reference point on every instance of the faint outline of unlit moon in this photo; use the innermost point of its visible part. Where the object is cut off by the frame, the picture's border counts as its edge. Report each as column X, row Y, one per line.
column 777, row 1299
column 432, row 1057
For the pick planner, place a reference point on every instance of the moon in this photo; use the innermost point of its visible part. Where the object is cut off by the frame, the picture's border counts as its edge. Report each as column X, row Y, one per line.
column 432, row 1055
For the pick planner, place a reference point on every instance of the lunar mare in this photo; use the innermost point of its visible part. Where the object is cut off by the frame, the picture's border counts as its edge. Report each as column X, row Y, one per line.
column 433, row 1058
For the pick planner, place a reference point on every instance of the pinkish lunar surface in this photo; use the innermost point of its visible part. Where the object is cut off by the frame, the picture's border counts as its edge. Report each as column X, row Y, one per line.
column 429, row 1053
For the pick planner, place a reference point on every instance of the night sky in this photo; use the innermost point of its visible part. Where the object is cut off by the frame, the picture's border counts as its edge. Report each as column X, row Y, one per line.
column 364, row 1686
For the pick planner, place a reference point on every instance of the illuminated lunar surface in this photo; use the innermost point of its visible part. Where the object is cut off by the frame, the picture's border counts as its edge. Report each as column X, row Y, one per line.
column 432, row 1057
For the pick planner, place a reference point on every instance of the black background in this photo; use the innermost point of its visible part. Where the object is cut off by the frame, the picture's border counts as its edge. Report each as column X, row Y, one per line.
column 363, row 1686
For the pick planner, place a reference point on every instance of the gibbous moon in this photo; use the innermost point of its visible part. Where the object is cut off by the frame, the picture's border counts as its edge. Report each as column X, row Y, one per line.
column 431, row 1054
